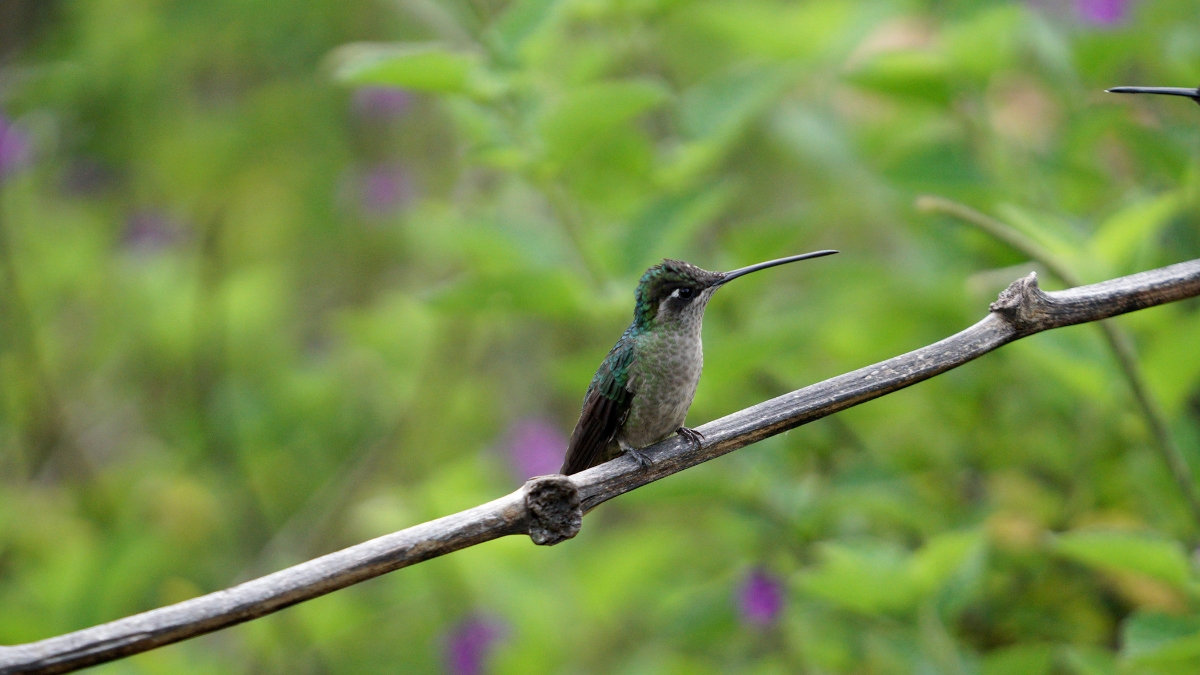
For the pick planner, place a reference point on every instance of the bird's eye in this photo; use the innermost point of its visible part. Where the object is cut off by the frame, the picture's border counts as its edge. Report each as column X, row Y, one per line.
column 685, row 293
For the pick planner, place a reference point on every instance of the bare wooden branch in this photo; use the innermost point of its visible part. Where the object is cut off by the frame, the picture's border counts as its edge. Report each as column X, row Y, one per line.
column 550, row 508
column 1119, row 341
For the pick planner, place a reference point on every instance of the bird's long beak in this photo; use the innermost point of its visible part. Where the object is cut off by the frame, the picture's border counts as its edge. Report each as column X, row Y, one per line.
column 1193, row 94
column 730, row 276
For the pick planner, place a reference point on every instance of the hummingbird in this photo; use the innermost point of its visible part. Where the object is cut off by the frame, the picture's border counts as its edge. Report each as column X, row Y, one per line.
column 1193, row 94
column 644, row 387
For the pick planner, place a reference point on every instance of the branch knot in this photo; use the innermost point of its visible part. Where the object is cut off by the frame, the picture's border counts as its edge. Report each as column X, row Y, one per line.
column 555, row 512
column 1023, row 304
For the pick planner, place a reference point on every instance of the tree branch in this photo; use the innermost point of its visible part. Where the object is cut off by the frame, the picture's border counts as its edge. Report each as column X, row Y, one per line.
column 550, row 508
column 1118, row 340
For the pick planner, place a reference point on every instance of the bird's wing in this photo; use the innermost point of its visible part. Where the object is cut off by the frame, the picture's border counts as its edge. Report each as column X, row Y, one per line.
column 605, row 408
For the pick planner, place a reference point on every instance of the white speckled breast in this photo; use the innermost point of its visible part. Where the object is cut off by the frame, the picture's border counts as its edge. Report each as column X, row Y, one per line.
column 663, row 379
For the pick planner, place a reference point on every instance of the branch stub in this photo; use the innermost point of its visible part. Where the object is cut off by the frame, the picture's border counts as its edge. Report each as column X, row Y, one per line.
column 1023, row 304
column 555, row 513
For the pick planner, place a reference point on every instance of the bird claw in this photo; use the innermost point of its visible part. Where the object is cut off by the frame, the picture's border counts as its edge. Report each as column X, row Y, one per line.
column 639, row 457
column 694, row 437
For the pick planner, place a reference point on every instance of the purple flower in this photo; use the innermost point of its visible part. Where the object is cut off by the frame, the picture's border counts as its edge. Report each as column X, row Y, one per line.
column 760, row 598
column 384, row 189
column 470, row 642
column 16, row 148
column 150, row 231
column 1102, row 12
column 381, row 103
column 535, row 448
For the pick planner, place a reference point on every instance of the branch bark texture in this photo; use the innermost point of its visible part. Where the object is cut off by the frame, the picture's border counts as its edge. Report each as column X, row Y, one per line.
column 550, row 508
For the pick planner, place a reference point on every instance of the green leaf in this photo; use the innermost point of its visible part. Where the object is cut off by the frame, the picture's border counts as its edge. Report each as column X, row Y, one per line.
column 1155, row 557
column 1029, row 659
column 815, row 137
column 943, row 556
column 1172, row 362
column 428, row 67
column 872, row 580
column 1159, row 637
column 667, row 225
column 714, row 113
column 986, row 43
column 1127, row 231
column 1053, row 234
column 552, row 294
column 591, row 114
column 722, row 105
column 1088, row 660
column 521, row 19
column 917, row 75
column 802, row 31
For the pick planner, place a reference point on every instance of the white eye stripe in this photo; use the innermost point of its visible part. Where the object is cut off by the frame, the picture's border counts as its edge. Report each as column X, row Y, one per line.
column 675, row 293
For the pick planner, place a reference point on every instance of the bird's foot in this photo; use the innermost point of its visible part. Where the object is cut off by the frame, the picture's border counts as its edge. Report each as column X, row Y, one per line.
column 639, row 457
column 694, row 437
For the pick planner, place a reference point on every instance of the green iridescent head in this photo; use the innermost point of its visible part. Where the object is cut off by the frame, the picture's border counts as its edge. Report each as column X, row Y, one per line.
column 678, row 281
column 675, row 290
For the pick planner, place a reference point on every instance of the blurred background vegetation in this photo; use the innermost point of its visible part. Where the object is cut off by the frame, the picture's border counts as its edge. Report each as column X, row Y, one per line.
column 276, row 277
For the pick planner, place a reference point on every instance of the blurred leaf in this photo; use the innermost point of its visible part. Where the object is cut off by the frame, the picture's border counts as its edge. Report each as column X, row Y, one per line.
column 521, row 18
column 715, row 112
column 690, row 161
column 665, row 227
column 588, row 115
column 816, row 138
column 723, row 104
column 428, row 67
column 1153, row 556
column 395, row 337
column 943, row 556
column 871, row 581
column 880, row 580
column 1171, row 362
column 551, row 294
column 485, row 136
column 907, row 74
column 1087, row 660
column 1035, row 659
column 1052, row 233
column 800, row 31
column 1123, row 235
column 1148, row 637
column 987, row 43
column 1052, row 46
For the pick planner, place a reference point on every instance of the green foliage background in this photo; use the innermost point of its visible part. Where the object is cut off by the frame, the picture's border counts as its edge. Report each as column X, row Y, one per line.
column 219, row 356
